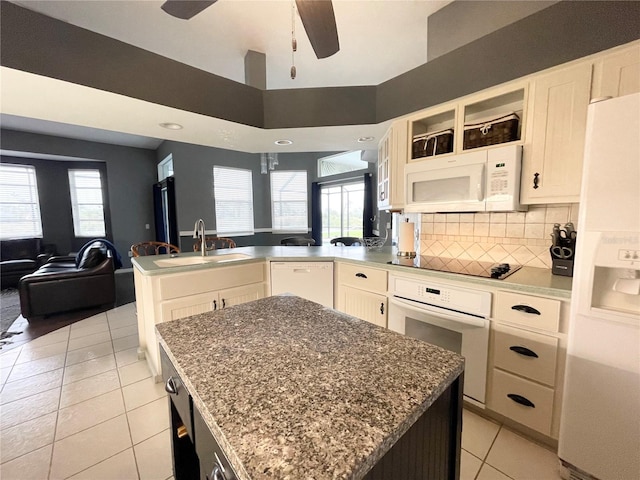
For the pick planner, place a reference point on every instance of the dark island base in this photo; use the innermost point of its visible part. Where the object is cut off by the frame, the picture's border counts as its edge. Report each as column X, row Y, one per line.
column 430, row 450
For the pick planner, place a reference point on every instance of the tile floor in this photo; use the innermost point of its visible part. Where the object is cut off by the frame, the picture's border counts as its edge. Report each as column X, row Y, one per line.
column 77, row 403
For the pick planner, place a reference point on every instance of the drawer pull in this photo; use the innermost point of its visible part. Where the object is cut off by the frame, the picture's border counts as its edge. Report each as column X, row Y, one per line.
column 526, row 309
column 181, row 432
column 361, row 275
column 382, row 308
column 521, row 400
column 215, row 305
column 523, row 351
column 170, row 386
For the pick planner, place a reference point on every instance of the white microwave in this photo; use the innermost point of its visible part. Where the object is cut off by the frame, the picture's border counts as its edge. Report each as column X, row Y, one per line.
column 480, row 181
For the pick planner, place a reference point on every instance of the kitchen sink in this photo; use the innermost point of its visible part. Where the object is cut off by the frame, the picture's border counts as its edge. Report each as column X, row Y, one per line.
column 199, row 260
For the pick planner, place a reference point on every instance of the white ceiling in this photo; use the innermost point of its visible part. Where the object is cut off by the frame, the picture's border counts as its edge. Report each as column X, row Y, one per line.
column 379, row 39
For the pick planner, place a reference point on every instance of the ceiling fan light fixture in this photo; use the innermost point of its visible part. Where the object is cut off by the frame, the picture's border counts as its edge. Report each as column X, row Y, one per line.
column 171, row 126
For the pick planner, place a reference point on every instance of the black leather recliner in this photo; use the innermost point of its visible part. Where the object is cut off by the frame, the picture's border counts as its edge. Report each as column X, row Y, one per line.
column 69, row 283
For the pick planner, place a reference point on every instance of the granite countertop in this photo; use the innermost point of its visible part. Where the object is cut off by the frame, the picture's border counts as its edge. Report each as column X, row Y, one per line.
column 291, row 389
column 537, row 281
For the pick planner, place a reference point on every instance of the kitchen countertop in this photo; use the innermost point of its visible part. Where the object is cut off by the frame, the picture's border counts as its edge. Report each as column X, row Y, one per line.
column 537, row 281
column 291, row 389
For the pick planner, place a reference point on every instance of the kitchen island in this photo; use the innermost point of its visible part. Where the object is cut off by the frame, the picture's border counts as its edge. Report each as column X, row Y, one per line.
column 290, row 389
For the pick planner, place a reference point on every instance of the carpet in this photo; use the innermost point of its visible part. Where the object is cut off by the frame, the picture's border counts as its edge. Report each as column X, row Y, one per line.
column 9, row 310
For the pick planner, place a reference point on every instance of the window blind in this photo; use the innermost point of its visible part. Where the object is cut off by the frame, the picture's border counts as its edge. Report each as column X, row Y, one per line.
column 233, row 198
column 87, row 206
column 289, row 201
column 19, row 203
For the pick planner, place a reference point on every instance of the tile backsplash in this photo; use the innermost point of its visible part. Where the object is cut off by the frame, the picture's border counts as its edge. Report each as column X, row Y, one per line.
column 512, row 237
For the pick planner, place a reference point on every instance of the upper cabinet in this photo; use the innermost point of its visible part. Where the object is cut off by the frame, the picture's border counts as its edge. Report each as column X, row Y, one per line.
column 492, row 117
column 392, row 156
column 618, row 73
column 545, row 112
column 432, row 132
column 554, row 146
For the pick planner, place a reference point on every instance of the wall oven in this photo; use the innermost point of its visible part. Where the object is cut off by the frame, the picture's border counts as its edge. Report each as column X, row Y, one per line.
column 453, row 318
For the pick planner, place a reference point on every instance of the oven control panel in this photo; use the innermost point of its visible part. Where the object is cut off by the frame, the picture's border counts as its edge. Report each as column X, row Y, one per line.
column 474, row 302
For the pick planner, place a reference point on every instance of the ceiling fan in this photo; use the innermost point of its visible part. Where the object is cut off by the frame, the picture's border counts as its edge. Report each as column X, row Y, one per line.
column 317, row 17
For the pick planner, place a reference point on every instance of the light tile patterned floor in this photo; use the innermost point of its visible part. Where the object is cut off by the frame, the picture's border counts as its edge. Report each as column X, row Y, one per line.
column 77, row 403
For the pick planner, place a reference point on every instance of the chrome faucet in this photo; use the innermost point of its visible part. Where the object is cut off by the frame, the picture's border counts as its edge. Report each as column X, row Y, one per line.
column 198, row 232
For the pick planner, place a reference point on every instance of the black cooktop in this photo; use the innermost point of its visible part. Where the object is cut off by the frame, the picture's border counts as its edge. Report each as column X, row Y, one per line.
column 474, row 268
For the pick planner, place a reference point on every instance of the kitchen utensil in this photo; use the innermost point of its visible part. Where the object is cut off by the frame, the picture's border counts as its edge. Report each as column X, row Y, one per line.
column 562, row 252
column 555, row 234
column 570, row 231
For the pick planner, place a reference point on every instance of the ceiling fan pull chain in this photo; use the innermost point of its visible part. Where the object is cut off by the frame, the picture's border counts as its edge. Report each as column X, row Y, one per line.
column 294, row 42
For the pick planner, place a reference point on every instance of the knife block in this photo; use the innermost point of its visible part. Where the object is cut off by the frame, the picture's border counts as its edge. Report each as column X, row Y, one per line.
column 562, row 267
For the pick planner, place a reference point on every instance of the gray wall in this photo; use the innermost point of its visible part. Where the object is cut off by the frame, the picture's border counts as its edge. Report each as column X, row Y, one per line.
column 193, row 172
column 131, row 172
column 563, row 31
column 460, row 23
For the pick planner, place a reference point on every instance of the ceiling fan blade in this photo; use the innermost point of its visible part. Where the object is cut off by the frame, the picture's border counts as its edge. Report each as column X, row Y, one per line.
column 320, row 24
column 185, row 9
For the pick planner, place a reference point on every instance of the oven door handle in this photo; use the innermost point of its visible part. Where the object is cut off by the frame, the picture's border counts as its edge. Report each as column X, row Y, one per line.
column 449, row 316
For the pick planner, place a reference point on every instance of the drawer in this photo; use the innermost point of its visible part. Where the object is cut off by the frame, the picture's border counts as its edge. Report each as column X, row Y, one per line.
column 209, row 279
column 181, row 399
column 528, row 354
column 364, row 278
column 521, row 400
column 535, row 312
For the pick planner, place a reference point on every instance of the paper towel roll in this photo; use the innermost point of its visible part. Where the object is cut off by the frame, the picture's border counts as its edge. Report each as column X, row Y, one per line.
column 405, row 239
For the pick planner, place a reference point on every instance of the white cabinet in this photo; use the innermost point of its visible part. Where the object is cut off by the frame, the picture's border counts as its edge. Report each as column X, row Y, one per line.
column 526, row 360
column 392, row 156
column 618, row 73
column 554, row 147
column 210, row 301
column 170, row 296
column 362, row 292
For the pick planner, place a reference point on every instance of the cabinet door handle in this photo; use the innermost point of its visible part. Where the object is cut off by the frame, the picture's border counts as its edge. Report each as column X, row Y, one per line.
column 170, row 386
column 215, row 304
column 361, row 275
column 382, row 308
column 536, row 180
column 525, row 309
column 521, row 400
column 224, row 304
column 523, row 351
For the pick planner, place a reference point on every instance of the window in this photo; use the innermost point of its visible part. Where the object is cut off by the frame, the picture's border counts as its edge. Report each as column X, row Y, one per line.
column 289, row 201
column 341, row 163
column 165, row 168
column 86, row 203
column 342, row 210
column 19, row 203
column 233, row 197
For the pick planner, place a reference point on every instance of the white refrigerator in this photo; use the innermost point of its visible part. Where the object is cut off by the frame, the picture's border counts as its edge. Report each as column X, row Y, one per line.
column 600, row 423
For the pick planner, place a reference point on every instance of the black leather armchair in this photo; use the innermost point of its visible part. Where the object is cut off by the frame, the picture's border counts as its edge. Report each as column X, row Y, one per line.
column 18, row 258
column 63, row 284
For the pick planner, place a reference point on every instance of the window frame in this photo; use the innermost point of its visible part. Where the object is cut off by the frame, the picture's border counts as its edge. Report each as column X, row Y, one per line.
column 219, row 203
column 78, row 231
column 344, row 225
column 296, row 228
column 36, row 230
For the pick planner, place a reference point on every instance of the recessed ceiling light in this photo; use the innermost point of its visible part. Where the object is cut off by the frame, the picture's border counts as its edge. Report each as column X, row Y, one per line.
column 366, row 139
column 171, row 126
column 283, row 142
